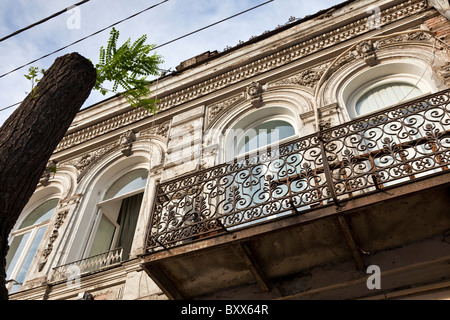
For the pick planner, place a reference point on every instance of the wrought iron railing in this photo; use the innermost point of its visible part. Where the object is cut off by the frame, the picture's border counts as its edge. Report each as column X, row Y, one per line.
column 367, row 154
column 71, row 271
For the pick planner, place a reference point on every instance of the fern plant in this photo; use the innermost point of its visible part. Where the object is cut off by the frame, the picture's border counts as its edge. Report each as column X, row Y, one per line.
column 128, row 67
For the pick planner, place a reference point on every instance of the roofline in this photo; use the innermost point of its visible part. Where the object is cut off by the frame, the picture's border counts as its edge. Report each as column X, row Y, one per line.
column 217, row 55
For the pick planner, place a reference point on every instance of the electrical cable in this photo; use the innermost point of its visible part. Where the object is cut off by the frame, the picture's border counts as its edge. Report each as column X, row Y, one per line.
column 166, row 43
column 15, row 104
column 79, row 40
column 429, row 64
column 213, row 24
column 44, row 20
column 159, row 46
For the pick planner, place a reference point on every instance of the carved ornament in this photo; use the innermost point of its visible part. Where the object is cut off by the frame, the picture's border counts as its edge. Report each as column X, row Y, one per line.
column 254, row 92
column 156, row 130
column 219, row 108
column 306, row 78
column 88, row 159
column 58, row 223
column 276, row 60
column 126, row 142
column 367, row 51
column 49, row 169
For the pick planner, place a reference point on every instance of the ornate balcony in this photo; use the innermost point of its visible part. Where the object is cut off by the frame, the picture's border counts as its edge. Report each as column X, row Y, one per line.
column 357, row 169
column 362, row 156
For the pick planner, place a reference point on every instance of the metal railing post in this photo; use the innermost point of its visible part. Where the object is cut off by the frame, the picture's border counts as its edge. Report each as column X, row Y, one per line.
column 326, row 169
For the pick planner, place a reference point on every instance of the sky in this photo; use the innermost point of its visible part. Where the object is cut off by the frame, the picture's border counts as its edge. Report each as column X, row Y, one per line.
column 167, row 21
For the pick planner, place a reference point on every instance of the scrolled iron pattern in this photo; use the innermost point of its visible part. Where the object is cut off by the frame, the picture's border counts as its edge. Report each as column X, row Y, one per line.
column 391, row 146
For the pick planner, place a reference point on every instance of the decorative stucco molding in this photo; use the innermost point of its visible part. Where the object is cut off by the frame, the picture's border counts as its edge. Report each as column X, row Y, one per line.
column 161, row 130
column 126, row 142
column 215, row 110
column 306, row 78
column 411, row 36
column 367, row 51
column 88, row 159
column 288, row 55
column 54, row 235
column 101, row 128
column 49, row 169
column 64, row 209
column 254, row 92
column 276, row 60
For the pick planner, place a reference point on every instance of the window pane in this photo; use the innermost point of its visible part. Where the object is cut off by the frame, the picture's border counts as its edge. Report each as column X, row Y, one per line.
column 103, row 236
column 14, row 252
column 264, row 134
column 28, row 258
column 42, row 213
column 386, row 95
column 133, row 180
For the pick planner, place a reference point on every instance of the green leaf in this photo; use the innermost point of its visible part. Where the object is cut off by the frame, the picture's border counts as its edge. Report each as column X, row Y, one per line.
column 128, row 67
column 32, row 76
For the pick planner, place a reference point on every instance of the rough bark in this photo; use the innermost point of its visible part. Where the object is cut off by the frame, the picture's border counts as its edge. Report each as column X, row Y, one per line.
column 30, row 135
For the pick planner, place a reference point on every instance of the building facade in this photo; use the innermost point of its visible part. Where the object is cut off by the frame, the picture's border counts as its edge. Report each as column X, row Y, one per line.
column 310, row 162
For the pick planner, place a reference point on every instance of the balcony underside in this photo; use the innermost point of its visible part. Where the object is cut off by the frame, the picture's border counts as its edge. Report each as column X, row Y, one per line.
column 322, row 253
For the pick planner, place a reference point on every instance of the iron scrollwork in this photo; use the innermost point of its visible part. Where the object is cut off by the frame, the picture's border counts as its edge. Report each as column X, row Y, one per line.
column 367, row 154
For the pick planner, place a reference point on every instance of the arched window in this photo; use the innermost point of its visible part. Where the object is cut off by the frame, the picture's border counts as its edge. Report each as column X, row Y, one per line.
column 256, row 129
column 389, row 83
column 25, row 242
column 250, row 135
column 385, row 95
column 373, row 89
column 263, row 134
column 118, row 212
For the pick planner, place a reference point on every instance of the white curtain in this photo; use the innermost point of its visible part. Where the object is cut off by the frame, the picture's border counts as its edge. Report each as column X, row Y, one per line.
column 264, row 134
column 386, row 95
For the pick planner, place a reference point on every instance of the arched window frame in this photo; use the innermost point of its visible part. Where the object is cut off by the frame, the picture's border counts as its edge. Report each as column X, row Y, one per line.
column 248, row 121
column 255, row 193
column 352, row 84
column 104, row 207
column 31, row 244
column 262, row 140
column 412, row 80
column 95, row 181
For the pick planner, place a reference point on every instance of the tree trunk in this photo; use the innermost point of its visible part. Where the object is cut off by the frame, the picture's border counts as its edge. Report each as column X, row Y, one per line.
column 30, row 135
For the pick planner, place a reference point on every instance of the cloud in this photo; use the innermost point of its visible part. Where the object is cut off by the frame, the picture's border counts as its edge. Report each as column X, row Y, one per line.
column 165, row 22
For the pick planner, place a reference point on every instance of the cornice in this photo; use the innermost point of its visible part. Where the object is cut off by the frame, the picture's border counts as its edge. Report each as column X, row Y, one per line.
column 252, row 69
column 86, row 160
column 290, row 54
column 102, row 127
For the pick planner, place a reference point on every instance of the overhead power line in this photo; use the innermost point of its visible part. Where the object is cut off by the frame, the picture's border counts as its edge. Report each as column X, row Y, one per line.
column 166, row 43
column 15, row 104
column 43, row 20
column 159, row 46
column 82, row 39
column 213, row 24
